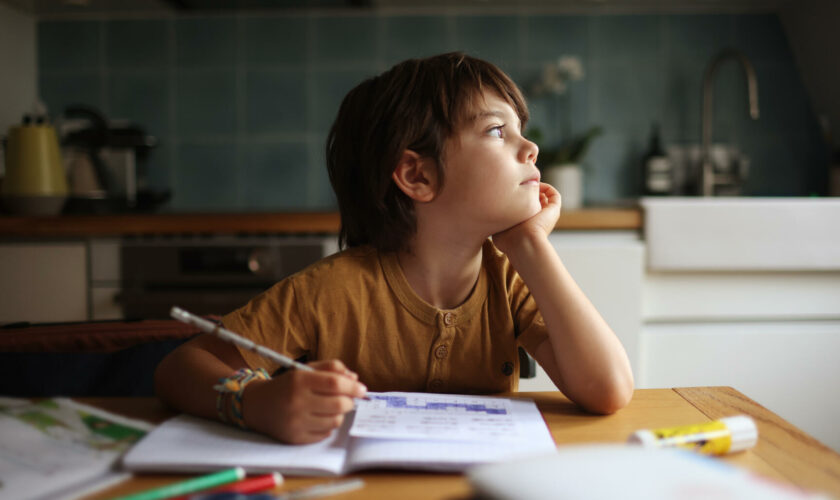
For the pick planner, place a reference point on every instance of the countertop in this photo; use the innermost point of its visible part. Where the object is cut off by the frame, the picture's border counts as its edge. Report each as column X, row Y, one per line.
column 252, row 223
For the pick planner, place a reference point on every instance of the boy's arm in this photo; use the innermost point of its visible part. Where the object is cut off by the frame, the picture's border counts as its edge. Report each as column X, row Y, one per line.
column 582, row 355
column 296, row 407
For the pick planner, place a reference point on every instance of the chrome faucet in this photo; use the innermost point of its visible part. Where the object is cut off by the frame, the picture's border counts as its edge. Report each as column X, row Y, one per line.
column 708, row 177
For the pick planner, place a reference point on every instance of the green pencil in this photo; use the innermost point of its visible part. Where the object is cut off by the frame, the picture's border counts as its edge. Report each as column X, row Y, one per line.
column 190, row 485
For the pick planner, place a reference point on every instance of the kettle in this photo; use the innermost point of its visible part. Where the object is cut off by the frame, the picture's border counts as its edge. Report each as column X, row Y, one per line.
column 35, row 183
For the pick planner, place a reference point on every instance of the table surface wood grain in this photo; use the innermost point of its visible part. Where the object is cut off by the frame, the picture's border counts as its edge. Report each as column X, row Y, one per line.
column 784, row 453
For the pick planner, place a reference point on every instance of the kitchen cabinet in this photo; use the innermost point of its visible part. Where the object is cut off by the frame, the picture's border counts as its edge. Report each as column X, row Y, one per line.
column 43, row 282
column 609, row 268
column 105, row 283
column 768, row 334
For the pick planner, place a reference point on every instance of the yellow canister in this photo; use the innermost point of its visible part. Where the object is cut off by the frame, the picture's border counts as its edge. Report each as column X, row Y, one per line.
column 35, row 182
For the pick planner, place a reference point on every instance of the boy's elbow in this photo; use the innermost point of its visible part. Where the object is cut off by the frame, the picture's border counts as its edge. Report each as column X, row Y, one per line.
column 163, row 376
column 612, row 398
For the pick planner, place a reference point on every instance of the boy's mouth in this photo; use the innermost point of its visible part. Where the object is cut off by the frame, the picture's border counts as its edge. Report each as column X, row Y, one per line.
column 535, row 179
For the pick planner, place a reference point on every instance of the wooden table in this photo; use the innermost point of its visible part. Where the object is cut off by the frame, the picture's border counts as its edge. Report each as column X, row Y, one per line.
column 783, row 453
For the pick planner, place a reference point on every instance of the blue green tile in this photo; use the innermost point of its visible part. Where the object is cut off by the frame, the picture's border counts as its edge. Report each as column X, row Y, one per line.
column 275, row 102
column 762, row 37
column 205, row 41
column 682, row 100
column 730, row 101
column 205, row 102
column 69, row 45
column 550, row 37
column 627, row 95
column 141, row 98
column 783, row 103
column 330, row 87
column 257, row 80
column 493, row 38
column 699, row 36
column 776, row 164
column 554, row 114
column 611, row 171
column 321, row 195
column 60, row 91
column 206, row 177
column 137, row 43
column 274, row 40
column 276, row 176
column 345, row 40
column 158, row 166
column 409, row 37
column 628, row 38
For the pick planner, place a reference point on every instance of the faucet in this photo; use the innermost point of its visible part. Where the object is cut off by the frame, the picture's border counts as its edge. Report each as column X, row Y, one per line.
column 708, row 177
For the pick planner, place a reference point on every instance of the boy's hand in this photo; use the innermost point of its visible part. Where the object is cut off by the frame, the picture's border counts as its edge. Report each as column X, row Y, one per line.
column 301, row 407
column 539, row 225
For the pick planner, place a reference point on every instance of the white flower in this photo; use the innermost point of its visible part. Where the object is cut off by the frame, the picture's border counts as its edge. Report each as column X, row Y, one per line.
column 557, row 74
column 571, row 67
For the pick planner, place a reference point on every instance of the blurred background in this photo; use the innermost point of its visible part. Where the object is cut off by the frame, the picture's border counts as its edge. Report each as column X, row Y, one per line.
column 179, row 153
column 239, row 95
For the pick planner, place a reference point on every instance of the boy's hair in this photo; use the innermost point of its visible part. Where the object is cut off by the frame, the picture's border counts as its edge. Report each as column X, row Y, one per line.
column 418, row 104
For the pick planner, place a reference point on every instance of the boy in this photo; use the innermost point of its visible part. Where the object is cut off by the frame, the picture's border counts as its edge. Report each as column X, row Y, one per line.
column 427, row 162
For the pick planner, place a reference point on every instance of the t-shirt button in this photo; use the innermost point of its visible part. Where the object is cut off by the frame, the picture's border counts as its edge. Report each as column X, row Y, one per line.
column 448, row 319
column 436, row 384
column 441, row 351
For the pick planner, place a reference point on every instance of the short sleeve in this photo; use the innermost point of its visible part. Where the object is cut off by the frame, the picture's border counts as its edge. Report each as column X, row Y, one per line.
column 528, row 321
column 272, row 319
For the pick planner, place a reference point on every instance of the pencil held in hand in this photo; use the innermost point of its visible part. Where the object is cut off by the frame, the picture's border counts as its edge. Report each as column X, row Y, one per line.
column 229, row 336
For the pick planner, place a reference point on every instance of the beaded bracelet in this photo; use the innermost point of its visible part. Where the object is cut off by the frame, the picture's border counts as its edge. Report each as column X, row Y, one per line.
column 232, row 388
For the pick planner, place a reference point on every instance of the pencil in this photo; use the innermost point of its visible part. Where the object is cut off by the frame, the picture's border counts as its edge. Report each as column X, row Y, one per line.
column 225, row 334
column 189, row 486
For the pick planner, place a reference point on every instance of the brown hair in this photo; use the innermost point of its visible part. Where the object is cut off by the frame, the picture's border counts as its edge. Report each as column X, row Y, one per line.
column 416, row 105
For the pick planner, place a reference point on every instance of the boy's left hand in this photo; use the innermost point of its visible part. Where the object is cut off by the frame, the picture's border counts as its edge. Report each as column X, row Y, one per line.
column 539, row 225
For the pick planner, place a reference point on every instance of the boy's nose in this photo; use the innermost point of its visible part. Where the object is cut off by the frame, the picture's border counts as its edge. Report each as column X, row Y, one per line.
column 530, row 151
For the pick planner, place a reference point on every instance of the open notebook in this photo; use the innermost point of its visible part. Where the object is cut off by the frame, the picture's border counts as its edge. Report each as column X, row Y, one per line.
column 392, row 430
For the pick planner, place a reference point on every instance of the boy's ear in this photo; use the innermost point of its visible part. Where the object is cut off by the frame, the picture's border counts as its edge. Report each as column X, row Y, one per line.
column 416, row 176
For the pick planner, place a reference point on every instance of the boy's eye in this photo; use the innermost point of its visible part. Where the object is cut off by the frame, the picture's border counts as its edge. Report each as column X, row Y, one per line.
column 497, row 131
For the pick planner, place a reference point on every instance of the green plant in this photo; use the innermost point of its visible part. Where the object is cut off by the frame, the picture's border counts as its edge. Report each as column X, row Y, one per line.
column 571, row 150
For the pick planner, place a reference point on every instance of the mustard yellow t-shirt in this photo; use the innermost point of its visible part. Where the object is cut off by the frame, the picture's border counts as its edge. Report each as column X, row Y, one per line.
column 357, row 306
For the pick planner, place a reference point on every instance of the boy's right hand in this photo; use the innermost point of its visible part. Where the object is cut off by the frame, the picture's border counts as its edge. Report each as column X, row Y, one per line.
column 300, row 407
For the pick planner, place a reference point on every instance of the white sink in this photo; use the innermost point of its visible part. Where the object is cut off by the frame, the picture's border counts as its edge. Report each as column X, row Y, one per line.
column 776, row 234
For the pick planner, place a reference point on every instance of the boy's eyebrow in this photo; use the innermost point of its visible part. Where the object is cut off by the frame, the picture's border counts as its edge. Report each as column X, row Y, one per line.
column 491, row 112
column 485, row 114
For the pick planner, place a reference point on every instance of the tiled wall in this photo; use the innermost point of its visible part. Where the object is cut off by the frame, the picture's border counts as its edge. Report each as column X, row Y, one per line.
column 241, row 103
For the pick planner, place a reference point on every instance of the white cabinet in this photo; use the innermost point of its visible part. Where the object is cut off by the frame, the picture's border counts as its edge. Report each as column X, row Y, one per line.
column 608, row 266
column 105, row 284
column 773, row 335
column 43, row 282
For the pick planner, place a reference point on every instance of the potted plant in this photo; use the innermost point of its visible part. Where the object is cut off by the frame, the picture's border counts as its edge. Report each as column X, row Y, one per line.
column 561, row 162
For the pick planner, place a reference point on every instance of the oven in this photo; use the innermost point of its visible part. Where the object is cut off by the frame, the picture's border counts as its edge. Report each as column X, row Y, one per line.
column 208, row 274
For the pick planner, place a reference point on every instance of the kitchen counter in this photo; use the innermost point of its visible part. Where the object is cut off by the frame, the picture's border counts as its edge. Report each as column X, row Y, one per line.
column 252, row 223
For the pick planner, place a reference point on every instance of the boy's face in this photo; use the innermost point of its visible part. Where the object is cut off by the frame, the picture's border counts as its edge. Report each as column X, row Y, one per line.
column 492, row 182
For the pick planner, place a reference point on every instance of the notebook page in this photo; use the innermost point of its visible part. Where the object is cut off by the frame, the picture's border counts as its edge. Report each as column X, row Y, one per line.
column 411, row 415
column 188, row 444
column 430, row 453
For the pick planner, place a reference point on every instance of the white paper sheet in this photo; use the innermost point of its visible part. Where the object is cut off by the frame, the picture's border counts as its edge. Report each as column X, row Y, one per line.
column 531, row 437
